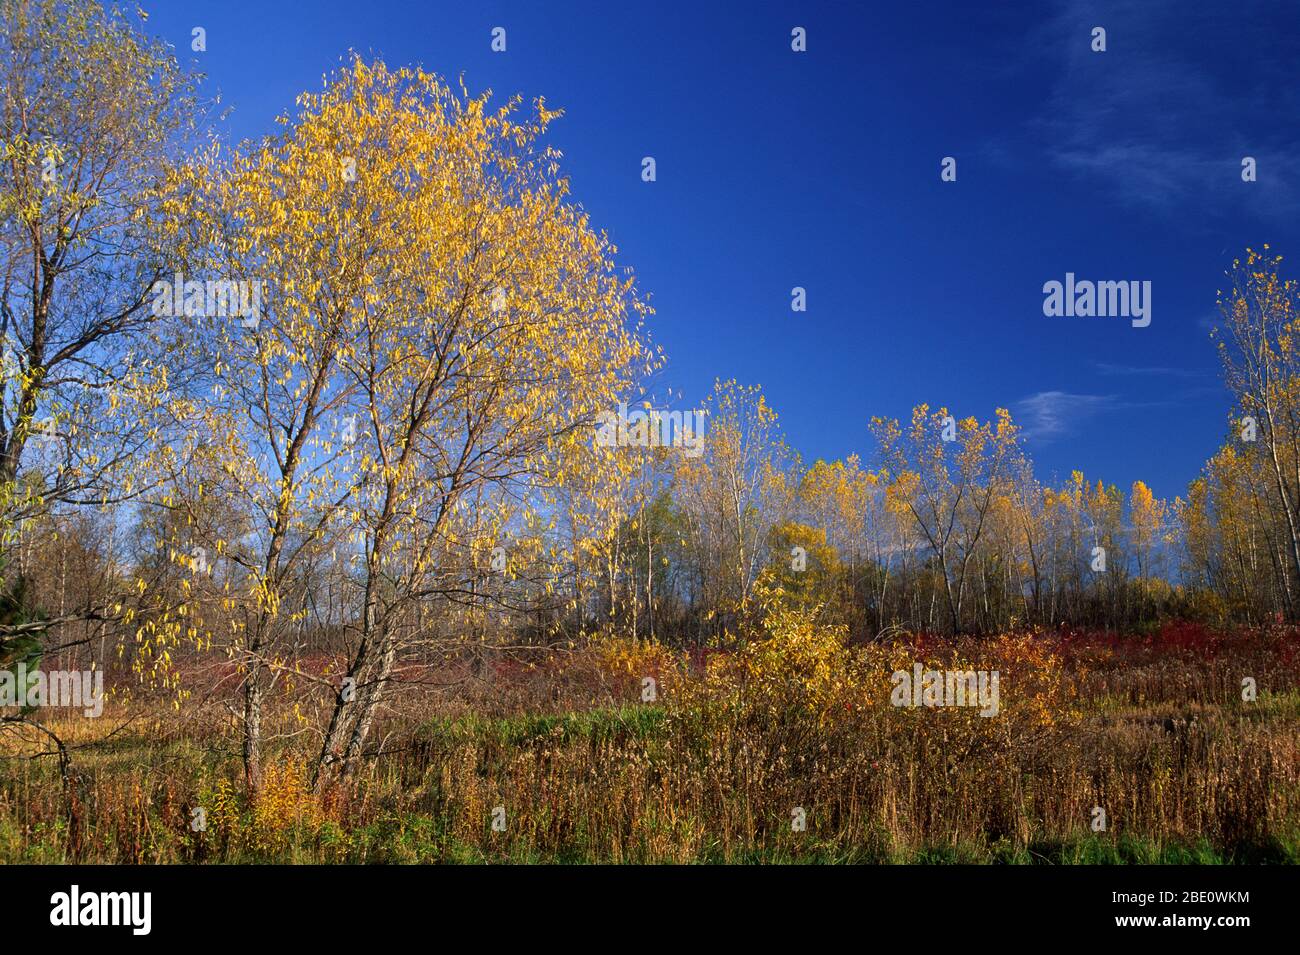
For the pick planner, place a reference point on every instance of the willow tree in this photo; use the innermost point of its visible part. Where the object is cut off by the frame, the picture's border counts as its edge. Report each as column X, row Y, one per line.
column 297, row 266
column 744, row 482
column 1234, row 540
column 848, row 502
column 430, row 318
column 94, row 115
column 1256, row 337
column 503, row 330
column 603, row 493
column 947, row 475
column 1148, row 516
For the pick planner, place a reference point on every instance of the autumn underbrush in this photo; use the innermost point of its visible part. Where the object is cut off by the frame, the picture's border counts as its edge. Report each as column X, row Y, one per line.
column 1172, row 747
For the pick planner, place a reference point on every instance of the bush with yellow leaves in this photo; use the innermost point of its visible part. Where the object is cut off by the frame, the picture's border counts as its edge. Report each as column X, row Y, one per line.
column 794, row 666
column 286, row 812
column 286, row 807
column 623, row 664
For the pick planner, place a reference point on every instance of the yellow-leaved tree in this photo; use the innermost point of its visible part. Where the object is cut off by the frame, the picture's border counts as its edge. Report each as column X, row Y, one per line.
column 95, row 115
column 429, row 319
column 947, row 476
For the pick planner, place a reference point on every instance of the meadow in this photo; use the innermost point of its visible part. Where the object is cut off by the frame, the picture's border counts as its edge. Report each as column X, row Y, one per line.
column 784, row 750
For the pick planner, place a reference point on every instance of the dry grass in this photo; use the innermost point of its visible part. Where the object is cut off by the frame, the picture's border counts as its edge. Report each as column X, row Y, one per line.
column 1154, row 731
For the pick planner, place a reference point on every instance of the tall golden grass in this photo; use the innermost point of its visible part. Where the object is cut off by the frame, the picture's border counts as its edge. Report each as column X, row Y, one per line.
column 1154, row 732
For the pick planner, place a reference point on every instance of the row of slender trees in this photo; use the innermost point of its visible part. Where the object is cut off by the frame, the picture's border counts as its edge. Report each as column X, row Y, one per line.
column 950, row 532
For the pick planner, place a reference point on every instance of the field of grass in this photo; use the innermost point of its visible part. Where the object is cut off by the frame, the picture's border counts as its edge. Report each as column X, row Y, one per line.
column 1153, row 731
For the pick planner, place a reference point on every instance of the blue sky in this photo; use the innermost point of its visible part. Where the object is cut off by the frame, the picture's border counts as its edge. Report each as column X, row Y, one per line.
column 821, row 169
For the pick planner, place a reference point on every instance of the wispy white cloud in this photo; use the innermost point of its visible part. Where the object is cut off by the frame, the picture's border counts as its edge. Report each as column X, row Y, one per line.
column 1166, row 114
column 1053, row 414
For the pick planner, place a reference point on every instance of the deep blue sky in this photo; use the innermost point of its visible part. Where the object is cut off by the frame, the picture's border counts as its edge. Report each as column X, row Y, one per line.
column 821, row 169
